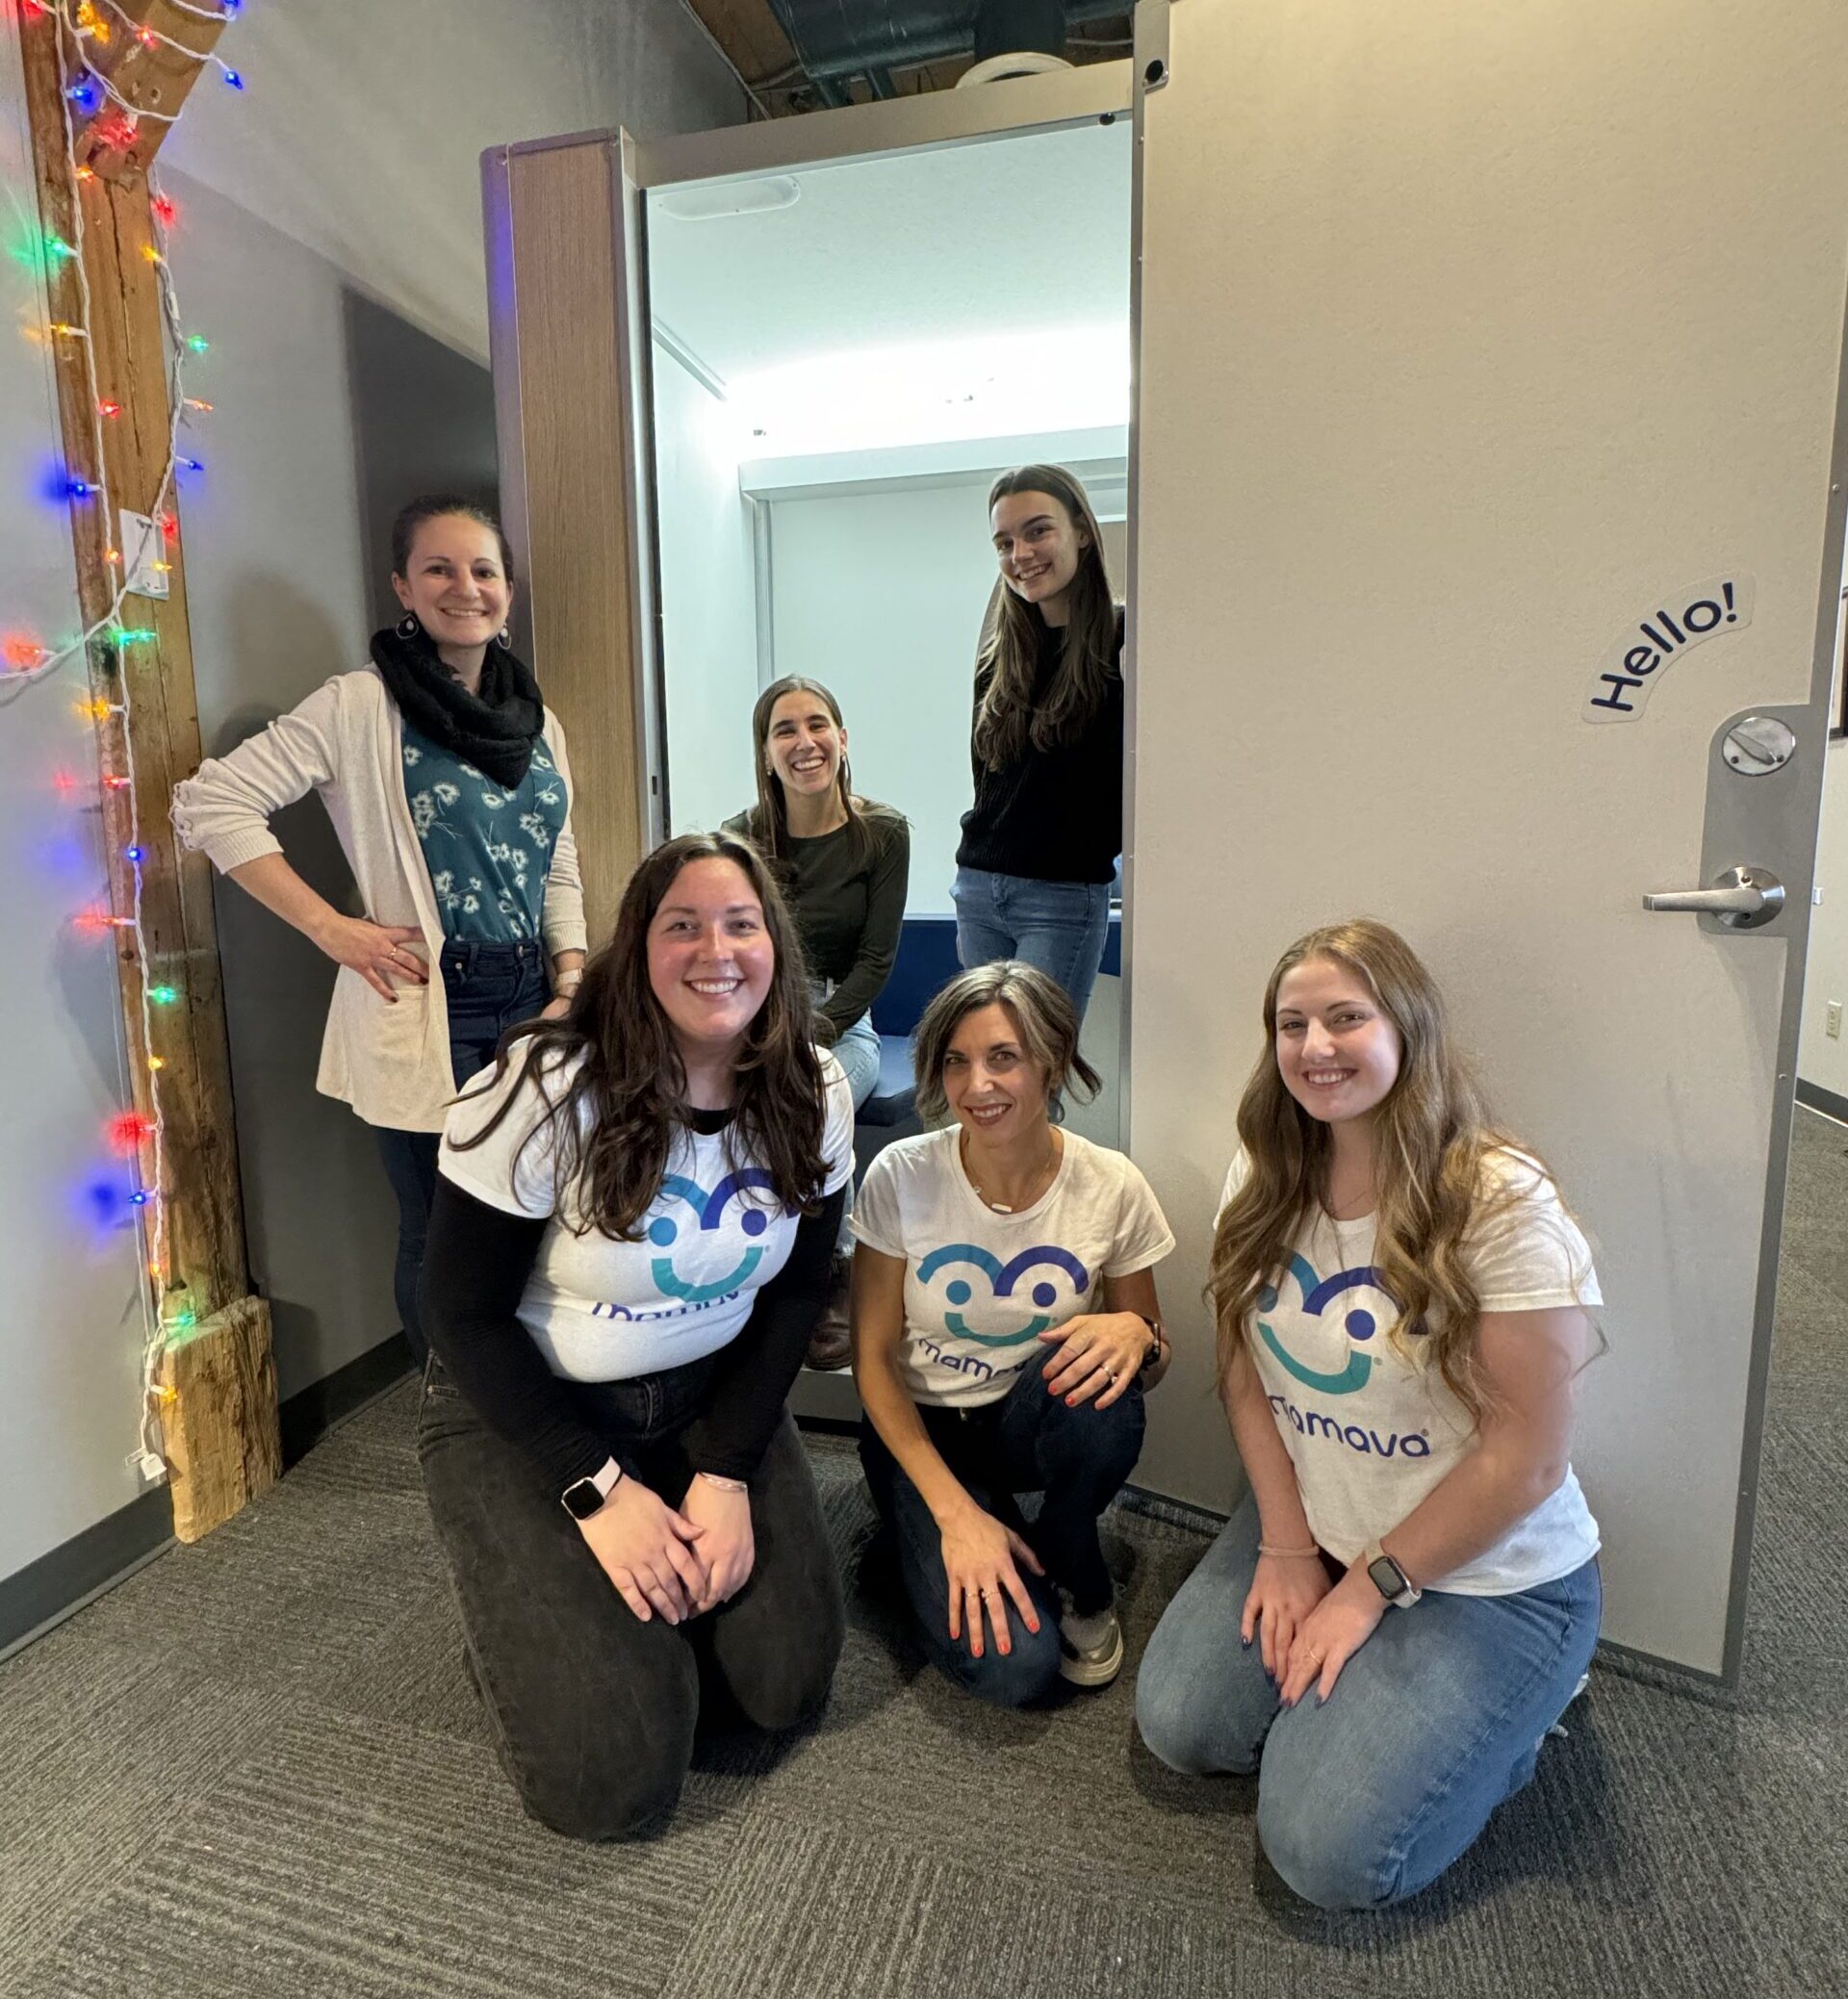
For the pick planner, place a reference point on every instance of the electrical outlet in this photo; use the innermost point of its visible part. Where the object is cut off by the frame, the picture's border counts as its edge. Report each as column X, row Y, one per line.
column 1832, row 1020
column 144, row 547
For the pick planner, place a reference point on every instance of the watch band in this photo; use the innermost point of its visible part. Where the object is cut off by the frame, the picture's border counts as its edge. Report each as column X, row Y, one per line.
column 1389, row 1578
column 585, row 1496
column 1157, row 1342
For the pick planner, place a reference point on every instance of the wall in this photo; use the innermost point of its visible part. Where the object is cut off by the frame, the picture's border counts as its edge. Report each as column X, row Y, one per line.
column 1822, row 1061
column 71, row 1337
column 360, row 135
column 708, row 601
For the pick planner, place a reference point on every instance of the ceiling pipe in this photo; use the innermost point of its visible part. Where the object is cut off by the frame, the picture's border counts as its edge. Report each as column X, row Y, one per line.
column 834, row 42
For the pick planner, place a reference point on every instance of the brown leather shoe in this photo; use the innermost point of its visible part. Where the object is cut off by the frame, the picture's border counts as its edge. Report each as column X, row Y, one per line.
column 830, row 1344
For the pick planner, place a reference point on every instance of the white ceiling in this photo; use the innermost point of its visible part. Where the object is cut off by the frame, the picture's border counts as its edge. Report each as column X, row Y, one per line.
column 1002, row 236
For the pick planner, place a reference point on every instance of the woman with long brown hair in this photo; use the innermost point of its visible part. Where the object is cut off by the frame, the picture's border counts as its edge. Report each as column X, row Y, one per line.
column 631, row 1242
column 1040, row 843
column 842, row 863
column 1409, row 1595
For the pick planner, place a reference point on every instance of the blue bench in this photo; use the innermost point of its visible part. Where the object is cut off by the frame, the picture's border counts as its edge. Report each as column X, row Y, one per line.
column 926, row 962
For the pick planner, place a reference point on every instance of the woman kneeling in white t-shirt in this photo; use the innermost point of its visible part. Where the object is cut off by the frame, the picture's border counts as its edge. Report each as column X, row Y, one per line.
column 1412, row 1582
column 1004, row 1326
column 631, row 1240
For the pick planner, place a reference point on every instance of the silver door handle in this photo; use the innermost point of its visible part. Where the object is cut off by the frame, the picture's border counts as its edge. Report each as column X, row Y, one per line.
column 1742, row 898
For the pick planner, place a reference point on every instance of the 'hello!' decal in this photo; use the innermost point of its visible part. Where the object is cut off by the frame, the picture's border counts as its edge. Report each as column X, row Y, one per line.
column 1630, row 667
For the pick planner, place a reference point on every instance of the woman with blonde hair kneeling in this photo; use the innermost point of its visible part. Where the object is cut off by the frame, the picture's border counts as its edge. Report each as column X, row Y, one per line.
column 1409, row 1595
column 1005, row 1328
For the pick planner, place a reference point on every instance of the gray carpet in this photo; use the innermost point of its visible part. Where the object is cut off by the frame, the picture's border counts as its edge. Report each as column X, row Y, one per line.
column 257, row 1768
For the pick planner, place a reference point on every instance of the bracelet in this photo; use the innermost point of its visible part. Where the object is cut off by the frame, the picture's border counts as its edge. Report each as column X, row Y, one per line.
column 565, row 983
column 1300, row 1553
column 724, row 1485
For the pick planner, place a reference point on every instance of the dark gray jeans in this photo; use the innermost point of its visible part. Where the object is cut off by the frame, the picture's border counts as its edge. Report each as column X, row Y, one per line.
column 594, row 1710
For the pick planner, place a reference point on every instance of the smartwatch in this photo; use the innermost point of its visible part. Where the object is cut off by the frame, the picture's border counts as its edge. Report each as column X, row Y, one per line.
column 1389, row 1578
column 585, row 1497
column 1157, row 1340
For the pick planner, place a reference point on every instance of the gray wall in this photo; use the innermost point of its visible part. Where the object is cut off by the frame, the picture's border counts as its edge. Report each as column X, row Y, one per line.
column 72, row 1332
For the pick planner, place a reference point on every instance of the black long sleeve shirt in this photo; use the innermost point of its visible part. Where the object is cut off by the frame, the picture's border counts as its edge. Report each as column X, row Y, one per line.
column 1057, row 814
column 477, row 1263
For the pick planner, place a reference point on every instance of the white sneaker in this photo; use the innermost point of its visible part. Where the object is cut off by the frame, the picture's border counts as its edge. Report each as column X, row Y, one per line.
column 1091, row 1649
column 1560, row 1727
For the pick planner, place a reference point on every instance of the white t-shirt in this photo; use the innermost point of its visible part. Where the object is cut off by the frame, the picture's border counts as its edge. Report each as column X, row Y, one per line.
column 606, row 1310
column 980, row 1288
column 1370, row 1431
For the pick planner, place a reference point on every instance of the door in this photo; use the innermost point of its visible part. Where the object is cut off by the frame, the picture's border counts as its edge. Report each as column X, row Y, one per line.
column 1487, row 470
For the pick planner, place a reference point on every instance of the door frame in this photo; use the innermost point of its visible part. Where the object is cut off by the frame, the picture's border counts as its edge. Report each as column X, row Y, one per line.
column 596, row 626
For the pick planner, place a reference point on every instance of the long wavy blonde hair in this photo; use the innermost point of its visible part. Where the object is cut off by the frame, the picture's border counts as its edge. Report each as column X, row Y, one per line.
column 1432, row 1134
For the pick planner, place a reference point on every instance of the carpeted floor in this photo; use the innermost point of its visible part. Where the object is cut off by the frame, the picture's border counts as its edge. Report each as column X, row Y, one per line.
column 257, row 1768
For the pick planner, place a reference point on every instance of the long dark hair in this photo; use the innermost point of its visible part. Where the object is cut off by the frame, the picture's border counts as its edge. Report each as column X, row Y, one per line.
column 616, row 1122
column 1008, row 719
column 769, row 819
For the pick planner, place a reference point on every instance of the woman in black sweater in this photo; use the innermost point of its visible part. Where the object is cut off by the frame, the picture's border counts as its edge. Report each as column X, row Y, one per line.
column 634, row 1221
column 1040, row 843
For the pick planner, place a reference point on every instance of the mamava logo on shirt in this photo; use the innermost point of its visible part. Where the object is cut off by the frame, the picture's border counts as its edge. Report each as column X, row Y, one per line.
column 1002, row 1280
column 1317, row 1293
column 710, row 1210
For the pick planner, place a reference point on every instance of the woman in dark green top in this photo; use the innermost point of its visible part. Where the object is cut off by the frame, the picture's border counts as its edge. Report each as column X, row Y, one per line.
column 842, row 863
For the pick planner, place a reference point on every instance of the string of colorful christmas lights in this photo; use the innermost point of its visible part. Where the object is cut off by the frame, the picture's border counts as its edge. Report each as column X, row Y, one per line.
column 135, row 1134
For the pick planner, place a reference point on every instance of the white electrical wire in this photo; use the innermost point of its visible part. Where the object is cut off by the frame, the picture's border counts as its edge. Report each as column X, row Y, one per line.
column 141, row 33
column 154, row 1231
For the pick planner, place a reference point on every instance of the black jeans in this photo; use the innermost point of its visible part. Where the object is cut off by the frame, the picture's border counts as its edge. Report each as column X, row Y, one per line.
column 1027, row 1442
column 594, row 1710
column 489, row 988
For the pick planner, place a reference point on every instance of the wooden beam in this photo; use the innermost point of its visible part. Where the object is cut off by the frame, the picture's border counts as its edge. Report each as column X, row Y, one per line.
column 218, row 1395
column 150, row 53
column 123, row 364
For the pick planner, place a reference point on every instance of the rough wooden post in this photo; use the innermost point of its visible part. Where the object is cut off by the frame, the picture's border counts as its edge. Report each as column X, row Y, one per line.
column 217, row 1396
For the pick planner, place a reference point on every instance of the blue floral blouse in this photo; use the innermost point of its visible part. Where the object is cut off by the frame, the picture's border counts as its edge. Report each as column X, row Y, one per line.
column 488, row 848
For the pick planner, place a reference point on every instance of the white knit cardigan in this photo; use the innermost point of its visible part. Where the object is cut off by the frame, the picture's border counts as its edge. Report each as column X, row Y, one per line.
column 391, row 1063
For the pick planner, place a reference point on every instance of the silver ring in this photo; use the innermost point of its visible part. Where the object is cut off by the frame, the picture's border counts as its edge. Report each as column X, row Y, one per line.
column 1109, row 1375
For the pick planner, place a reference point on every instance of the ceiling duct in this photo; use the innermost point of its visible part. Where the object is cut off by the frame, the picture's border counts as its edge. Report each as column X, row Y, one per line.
column 834, row 42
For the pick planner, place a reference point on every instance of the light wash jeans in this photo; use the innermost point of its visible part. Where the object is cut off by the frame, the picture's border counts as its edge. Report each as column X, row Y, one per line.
column 1057, row 927
column 1435, row 1720
column 857, row 1053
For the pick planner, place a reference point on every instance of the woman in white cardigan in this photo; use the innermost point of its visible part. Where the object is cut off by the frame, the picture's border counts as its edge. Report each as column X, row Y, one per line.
column 445, row 776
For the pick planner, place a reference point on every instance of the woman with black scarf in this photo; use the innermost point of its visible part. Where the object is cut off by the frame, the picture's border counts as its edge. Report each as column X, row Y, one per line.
column 445, row 776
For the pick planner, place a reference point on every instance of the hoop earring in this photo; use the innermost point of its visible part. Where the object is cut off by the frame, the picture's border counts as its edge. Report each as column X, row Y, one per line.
column 407, row 626
column 503, row 638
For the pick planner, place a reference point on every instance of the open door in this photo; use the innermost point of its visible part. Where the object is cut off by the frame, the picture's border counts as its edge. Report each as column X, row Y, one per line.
column 1488, row 529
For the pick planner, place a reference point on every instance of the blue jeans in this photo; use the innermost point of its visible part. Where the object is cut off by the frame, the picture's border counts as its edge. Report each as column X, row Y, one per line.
column 1029, row 1441
column 488, row 988
column 857, row 1053
column 1058, row 927
column 594, row 1712
column 1435, row 1720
